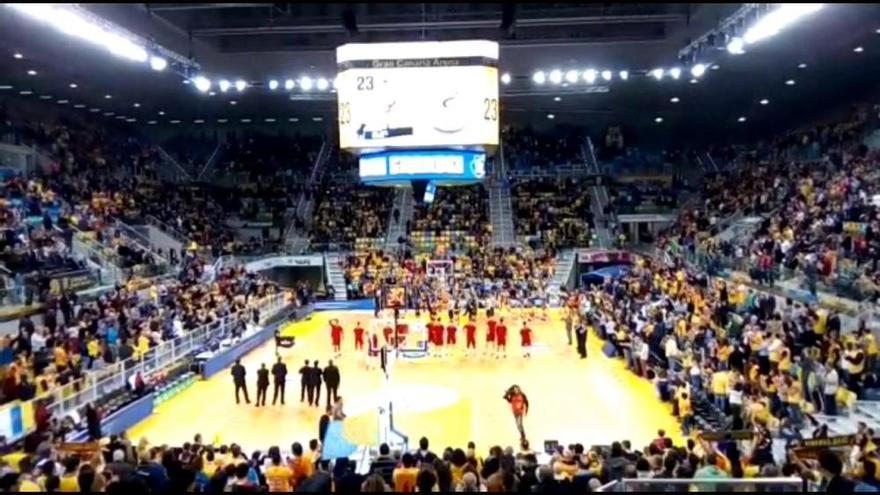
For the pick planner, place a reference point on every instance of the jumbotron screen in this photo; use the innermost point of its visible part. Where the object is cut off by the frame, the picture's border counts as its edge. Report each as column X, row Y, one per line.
column 432, row 94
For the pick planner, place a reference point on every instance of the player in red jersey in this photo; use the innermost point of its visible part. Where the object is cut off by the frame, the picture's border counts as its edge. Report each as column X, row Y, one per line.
column 358, row 337
column 501, row 338
column 490, row 336
column 450, row 333
column 437, row 337
column 470, row 331
column 336, row 336
column 388, row 332
column 525, row 334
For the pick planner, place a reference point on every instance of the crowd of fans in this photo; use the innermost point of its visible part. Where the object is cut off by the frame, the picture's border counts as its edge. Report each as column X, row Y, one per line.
column 456, row 219
column 554, row 211
column 527, row 149
column 350, row 214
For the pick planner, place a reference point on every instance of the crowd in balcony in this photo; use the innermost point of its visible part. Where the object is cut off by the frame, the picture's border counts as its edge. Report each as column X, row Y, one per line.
column 526, row 149
column 457, row 218
column 554, row 211
column 350, row 214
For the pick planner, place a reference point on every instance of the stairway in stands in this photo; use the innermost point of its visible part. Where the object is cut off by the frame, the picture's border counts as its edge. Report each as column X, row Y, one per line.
column 501, row 214
column 297, row 240
column 563, row 269
column 403, row 202
column 598, row 196
column 333, row 264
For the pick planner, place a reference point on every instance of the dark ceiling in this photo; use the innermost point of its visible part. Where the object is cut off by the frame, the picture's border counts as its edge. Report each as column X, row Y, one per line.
column 263, row 41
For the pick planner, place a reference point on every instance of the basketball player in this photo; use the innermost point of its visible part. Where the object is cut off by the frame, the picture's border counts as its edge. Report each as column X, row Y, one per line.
column 525, row 334
column 450, row 334
column 358, row 337
column 373, row 350
column 388, row 331
column 501, row 338
column 471, row 332
column 519, row 406
column 336, row 336
column 490, row 334
column 438, row 337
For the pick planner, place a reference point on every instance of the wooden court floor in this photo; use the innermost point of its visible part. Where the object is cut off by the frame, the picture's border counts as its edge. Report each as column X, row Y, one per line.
column 450, row 400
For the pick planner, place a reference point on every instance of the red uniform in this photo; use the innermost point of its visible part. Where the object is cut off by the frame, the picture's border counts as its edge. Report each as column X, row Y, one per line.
column 437, row 334
column 402, row 330
column 526, row 336
column 490, row 335
column 501, row 335
column 374, row 345
column 336, row 336
column 450, row 335
column 471, row 331
column 358, row 337
column 388, row 332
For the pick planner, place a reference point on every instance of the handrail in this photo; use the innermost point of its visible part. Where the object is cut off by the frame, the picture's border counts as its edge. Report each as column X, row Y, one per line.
column 168, row 158
column 210, row 161
column 98, row 384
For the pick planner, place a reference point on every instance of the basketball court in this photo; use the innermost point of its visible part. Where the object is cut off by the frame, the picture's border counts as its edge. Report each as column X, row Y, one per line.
column 451, row 400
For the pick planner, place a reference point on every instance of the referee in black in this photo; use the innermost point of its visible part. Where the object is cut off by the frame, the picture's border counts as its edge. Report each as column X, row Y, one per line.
column 279, row 376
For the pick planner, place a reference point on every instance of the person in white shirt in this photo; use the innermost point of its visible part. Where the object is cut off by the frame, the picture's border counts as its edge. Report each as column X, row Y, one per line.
column 38, row 342
column 829, row 389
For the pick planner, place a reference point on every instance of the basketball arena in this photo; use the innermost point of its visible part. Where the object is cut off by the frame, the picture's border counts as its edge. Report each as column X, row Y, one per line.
column 420, row 247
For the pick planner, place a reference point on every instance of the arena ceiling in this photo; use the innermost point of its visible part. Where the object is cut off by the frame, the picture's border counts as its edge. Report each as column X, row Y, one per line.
column 265, row 40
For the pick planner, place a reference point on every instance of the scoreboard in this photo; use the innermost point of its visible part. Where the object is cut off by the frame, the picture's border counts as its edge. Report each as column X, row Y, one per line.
column 433, row 94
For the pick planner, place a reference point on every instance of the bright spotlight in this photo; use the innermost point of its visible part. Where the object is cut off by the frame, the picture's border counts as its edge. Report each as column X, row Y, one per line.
column 571, row 76
column 202, row 83
column 224, row 85
column 322, row 84
column 606, row 75
column 675, row 72
column 790, row 82
column 765, row 101
column 289, row 84
column 240, row 85
column 539, row 77
column 306, row 83
column 779, row 19
column 741, row 119
column 858, row 49
column 551, row 116
column 273, row 84
column 657, row 73
column 556, row 76
column 698, row 70
column 590, row 76
column 736, row 46
column 505, row 78
column 658, row 120
column 158, row 63
column 624, row 75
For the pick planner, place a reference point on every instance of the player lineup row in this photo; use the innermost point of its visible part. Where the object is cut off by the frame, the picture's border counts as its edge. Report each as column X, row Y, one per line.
column 385, row 332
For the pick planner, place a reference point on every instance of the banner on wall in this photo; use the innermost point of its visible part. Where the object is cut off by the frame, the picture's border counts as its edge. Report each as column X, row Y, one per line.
column 586, row 256
column 284, row 261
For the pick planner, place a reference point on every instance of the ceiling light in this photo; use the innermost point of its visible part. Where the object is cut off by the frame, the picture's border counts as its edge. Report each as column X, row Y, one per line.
column 289, row 84
column 658, row 119
column 94, row 110
column 32, row 72
column 151, row 122
column 158, row 63
column 186, row 81
column 765, row 101
column 715, row 66
column 736, row 46
column 858, row 49
column 246, row 121
column 590, row 76
column 161, row 112
column 211, row 93
column 269, row 120
column 790, row 82
column 17, row 56
column 202, row 83
column 557, row 98
column 45, row 97
column 741, row 119
column 137, row 105
column 5, row 86
column 505, row 78
column 539, row 77
column 73, row 86
column 551, row 116
column 109, row 114
column 306, row 83
column 63, row 102
column 571, row 76
column 877, row 31
column 322, row 84
column 698, row 70
column 121, row 117
column 198, row 121
column 131, row 120
column 674, row 99
column 222, row 121
column 657, row 73
column 175, row 121
column 273, row 84
column 233, row 102
column 802, row 65
column 779, row 19
column 240, row 85
column 224, row 85
column 79, row 105
column 25, row 92
column 606, row 75
column 675, row 72
column 108, row 97
column 293, row 119
column 624, row 75
column 694, row 80
column 555, row 76
column 317, row 119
